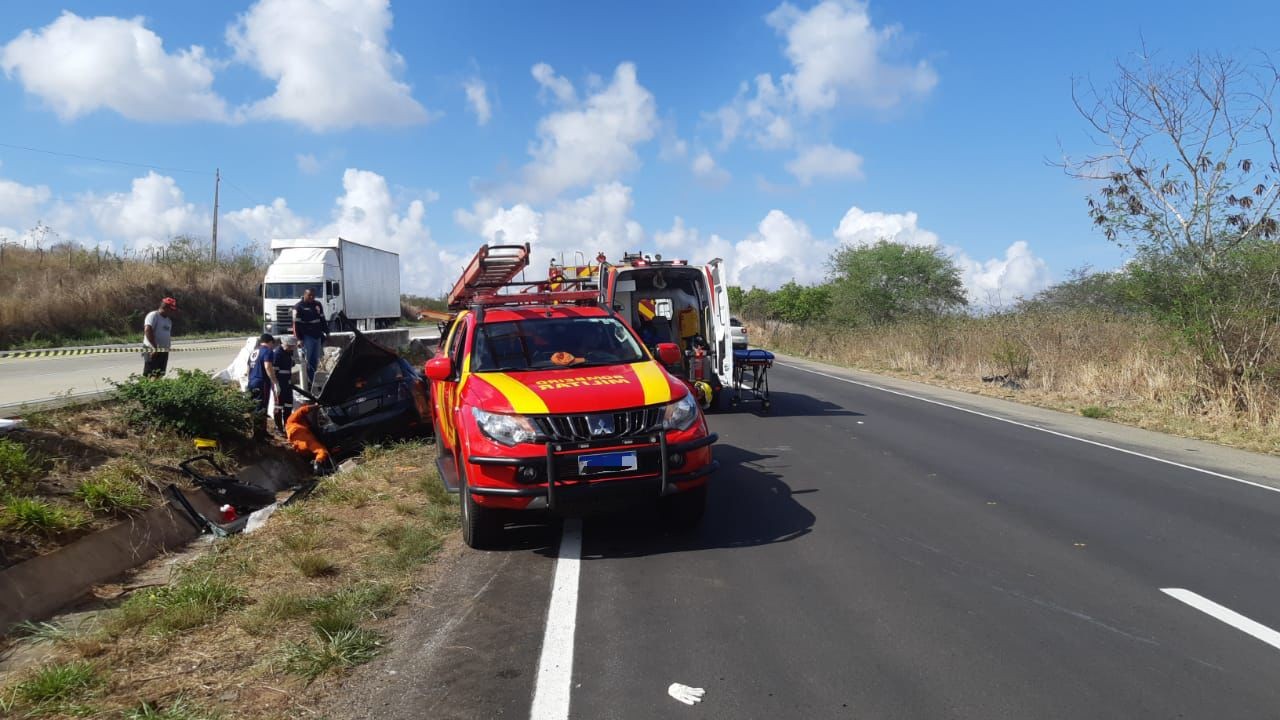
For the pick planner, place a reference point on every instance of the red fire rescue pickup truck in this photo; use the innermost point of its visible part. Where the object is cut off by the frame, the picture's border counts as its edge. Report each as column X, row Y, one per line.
column 546, row 399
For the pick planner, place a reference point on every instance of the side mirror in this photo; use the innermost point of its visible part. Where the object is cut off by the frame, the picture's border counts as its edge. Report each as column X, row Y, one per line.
column 669, row 353
column 438, row 368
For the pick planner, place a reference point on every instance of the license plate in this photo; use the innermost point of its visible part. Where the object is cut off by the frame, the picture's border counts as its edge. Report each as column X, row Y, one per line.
column 607, row 463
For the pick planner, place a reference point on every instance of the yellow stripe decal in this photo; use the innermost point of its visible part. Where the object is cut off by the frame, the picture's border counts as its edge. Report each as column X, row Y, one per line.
column 656, row 388
column 523, row 400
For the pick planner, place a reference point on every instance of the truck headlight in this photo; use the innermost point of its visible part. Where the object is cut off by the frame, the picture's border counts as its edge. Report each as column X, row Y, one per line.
column 680, row 414
column 505, row 429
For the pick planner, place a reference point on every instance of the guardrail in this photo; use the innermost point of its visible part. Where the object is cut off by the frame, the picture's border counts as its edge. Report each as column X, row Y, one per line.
column 189, row 346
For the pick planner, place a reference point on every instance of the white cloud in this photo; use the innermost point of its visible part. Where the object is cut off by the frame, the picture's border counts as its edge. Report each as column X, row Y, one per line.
column 818, row 162
column 705, row 169
column 681, row 242
column 19, row 202
column 1000, row 281
column 839, row 57
column 307, row 163
column 782, row 249
column 673, row 148
column 590, row 142
column 330, row 60
column 597, row 222
column 263, row 222
column 367, row 213
column 996, row 281
column 478, row 100
column 559, row 87
column 78, row 65
column 153, row 212
column 859, row 227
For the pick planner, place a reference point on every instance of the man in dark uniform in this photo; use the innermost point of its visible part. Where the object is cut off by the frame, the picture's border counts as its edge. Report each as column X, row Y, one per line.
column 282, row 378
column 310, row 327
column 260, row 372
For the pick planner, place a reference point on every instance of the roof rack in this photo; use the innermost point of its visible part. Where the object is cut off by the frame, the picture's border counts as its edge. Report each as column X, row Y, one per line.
column 495, row 268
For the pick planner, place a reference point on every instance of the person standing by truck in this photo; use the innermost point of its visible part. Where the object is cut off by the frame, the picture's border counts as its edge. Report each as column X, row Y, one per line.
column 310, row 327
column 281, row 372
column 157, row 331
column 260, row 372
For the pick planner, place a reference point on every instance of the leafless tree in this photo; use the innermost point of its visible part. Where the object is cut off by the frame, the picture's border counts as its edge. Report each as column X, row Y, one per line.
column 1188, row 156
column 1189, row 179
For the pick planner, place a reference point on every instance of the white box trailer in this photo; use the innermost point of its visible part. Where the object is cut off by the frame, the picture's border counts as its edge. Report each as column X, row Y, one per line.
column 358, row 285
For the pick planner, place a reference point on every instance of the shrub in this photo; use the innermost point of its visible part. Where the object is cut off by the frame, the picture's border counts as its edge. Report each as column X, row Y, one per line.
column 344, row 648
column 314, row 565
column 1013, row 357
column 179, row 709
column 31, row 516
column 192, row 601
column 115, row 487
column 18, row 466
column 1095, row 412
column 59, row 684
column 190, row 403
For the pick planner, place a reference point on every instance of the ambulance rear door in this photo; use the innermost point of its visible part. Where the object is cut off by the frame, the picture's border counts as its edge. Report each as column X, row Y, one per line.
column 719, row 321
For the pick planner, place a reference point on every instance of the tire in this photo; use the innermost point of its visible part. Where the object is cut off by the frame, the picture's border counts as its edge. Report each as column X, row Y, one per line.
column 481, row 526
column 683, row 511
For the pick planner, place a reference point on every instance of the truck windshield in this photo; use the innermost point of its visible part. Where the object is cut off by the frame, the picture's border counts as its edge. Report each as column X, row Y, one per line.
column 287, row 291
column 551, row 343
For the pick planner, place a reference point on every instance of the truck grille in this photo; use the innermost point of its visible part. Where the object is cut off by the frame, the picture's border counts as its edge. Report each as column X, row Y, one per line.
column 600, row 426
column 284, row 315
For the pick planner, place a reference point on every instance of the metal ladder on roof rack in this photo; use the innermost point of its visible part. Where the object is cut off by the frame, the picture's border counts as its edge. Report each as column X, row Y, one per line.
column 493, row 267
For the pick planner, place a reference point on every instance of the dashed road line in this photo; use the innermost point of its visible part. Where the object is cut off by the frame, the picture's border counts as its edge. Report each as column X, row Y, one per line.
column 1226, row 615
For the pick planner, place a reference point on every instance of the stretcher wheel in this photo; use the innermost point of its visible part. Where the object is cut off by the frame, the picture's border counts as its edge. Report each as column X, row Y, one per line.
column 764, row 406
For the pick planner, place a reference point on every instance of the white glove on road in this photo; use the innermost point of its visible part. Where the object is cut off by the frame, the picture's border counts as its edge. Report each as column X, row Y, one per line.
column 685, row 694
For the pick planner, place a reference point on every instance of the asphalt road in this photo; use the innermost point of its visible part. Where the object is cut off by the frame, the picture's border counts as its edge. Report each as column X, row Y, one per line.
column 871, row 555
column 33, row 380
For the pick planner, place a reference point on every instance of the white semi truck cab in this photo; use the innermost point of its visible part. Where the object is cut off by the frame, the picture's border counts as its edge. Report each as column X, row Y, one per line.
column 358, row 285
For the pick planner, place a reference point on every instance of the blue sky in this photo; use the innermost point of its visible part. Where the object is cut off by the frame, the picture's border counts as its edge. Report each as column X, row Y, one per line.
column 922, row 122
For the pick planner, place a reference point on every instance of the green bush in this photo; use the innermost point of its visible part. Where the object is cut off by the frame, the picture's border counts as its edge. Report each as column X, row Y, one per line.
column 190, row 402
column 18, row 466
column 32, row 516
column 116, row 487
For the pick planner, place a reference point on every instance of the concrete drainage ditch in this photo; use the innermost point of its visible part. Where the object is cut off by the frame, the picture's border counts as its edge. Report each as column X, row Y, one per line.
column 41, row 586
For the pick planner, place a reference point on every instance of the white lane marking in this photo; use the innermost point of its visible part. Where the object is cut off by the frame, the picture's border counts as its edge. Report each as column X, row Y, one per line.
column 1226, row 615
column 685, row 694
column 1037, row 427
column 555, row 667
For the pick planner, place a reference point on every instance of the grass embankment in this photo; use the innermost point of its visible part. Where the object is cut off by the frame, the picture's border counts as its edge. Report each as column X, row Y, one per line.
column 80, row 469
column 67, row 295
column 1094, row 364
column 246, row 629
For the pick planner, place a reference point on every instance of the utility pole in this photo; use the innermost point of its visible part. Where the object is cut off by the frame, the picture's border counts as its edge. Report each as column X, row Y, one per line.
column 217, row 180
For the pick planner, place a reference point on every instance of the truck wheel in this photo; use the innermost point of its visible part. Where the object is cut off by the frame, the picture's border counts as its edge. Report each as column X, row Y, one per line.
column 481, row 526
column 683, row 511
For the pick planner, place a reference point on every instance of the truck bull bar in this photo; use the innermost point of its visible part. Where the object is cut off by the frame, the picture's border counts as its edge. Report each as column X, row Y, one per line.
column 559, row 453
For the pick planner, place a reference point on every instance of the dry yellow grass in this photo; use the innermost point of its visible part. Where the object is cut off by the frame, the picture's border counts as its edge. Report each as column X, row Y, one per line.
column 1135, row 372
column 72, row 293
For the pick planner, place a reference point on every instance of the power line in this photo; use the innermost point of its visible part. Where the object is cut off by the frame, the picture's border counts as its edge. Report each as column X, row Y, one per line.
column 243, row 192
column 103, row 160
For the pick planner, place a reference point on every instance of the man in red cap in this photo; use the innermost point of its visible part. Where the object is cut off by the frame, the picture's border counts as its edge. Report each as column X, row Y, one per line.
column 157, row 330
